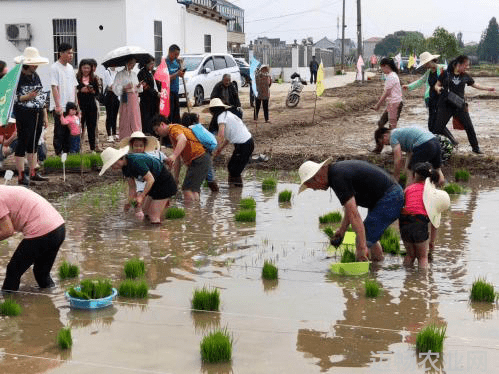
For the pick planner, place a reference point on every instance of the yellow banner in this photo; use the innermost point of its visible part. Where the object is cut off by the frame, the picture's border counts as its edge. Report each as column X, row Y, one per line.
column 320, row 79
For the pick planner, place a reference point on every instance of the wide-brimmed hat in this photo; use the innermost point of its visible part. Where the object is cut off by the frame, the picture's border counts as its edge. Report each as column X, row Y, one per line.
column 215, row 103
column 264, row 66
column 435, row 202
column 31, row 56
column 426, row 57
column 110, row 155
column 308, row 170
column 151, row 142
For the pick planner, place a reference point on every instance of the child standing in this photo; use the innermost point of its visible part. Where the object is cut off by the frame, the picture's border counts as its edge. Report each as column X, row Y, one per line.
column 423, row 205
column 71, row 118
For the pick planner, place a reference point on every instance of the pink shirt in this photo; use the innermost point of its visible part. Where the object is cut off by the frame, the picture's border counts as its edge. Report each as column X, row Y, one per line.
column 73, row 123
column 414, row 199
column 30, row 213
column 392, row 85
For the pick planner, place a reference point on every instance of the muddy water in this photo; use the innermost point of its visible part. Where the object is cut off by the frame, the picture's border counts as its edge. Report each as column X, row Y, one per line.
column 306, row 322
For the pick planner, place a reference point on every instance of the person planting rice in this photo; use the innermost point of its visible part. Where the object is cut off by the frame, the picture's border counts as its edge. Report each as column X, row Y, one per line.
column 423, row 204
column 358, row 183
column 160, row 185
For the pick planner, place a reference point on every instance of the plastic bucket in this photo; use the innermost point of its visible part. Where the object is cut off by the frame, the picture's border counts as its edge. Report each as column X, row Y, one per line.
column 92, row 303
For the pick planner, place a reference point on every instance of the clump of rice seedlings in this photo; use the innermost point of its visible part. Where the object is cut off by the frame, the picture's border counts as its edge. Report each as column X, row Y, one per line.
column 390, row 241
column 462, row 175
column 95, row 159
column 247, row 203
column 64, row 339
column 285, row 196
column 67, row 270
column 333, row 217
column 217, row 346
column 134, row 268
column 431, row 338
column 92, row 289
column 347, row 256
column 205, row 299
column 10, row 308
column 175, row 213
column 246, row 215
column 453, row 189
column 269, row 184
column 372, row 288
column 133, row 288
column 269, row 271
column 481, row 290
column 329, row 232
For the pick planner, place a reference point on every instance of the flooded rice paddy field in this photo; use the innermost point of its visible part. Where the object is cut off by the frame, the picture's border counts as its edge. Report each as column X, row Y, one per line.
column 306, row 322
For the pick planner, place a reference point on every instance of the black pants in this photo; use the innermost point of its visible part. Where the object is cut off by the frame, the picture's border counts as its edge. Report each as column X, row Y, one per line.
column 432, row 113
column 29, row 128
column 41, row 252
column 313, row 76
column 240, row 157
column 174, row 116
column 444, row 113
column 252, row 95
column 89, row 120
column 112, row 107
column 265, row 108
column 61, row 135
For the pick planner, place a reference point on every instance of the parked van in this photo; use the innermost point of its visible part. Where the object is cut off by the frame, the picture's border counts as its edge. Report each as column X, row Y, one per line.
column 204, row 71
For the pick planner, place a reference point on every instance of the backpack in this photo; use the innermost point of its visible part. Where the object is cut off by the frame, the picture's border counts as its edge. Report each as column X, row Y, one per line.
column 206, row 138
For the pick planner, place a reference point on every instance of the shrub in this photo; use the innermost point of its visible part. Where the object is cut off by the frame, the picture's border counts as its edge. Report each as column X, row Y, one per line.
column 92, row 289
column 453, row 189
column 462, row 175
column 217, row 346
column 64, row 339
column 285, row 196
column 134, row 268
column 269, row 184
column 10, row 308
column 133, row 288
column 67, row 270
column 247, row 203
column 481, row 290
column 390, row 241
column 246, row 215
column 269, row 271
column 372, row 288
column 431, row 338
column 347, row 256
column 204, row 299
column 333, row 217
column 175, row 213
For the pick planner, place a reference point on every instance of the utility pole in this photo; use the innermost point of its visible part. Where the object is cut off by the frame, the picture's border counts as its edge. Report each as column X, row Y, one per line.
column 343, row 38
column 359, row 36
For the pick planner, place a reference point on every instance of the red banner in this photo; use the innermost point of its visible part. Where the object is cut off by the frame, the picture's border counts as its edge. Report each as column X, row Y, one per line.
column 162, row 76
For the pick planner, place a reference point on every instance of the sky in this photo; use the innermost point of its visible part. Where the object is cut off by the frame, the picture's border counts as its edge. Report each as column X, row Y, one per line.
column 295, row 19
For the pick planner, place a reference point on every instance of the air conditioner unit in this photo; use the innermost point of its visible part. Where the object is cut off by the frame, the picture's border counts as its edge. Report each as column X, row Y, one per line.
column 18, row 31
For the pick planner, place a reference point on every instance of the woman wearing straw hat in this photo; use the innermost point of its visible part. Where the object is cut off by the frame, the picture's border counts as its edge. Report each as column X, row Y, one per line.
column 160, row 185
column 358, row 183
column 30, row 112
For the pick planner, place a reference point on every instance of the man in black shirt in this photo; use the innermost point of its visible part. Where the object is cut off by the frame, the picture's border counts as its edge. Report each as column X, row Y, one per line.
column 225, row 91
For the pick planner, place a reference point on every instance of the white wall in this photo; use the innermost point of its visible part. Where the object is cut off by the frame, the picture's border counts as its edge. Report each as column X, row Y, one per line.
column 196, row 27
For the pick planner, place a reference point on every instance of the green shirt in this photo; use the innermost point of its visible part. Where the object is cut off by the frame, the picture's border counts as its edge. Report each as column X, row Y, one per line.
column 424, row 79
column 138, row 164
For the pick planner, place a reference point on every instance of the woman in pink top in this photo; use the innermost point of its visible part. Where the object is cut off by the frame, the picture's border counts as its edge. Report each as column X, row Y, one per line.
column 22, row 210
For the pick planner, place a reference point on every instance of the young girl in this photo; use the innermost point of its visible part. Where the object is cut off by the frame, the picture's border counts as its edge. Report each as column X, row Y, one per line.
column 71, row 118
column 414, row 219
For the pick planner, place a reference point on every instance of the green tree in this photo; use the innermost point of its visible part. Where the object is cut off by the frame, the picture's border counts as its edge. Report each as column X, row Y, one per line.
column 389, row 45
column 443, row 43
column 412, row 42
column 488, row 49
column 470, row 50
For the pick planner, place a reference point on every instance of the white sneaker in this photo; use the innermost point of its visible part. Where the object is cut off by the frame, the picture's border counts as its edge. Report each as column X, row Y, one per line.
column 116, row 138
column 110, row 139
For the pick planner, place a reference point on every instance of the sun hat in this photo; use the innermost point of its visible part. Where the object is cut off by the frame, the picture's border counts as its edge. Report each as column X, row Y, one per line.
column 215, row 103
column 308, row 170
column 31, row 56
column 426, row 57
column 151, row 142
column 435, row 202
column 110, row 155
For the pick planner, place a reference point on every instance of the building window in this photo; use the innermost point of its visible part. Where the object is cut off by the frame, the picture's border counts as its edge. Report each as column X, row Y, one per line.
column 64, row 31
column 158, row 41
column 207, row 43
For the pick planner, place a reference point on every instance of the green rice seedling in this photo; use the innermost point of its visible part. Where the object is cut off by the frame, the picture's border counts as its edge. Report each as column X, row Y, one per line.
column 133, row 288
column 247, row 203
column 269, row 184
column 339, row 105
column 372, row 288
column 350, row 228
column 64, row 339
column 285, row 196
column 10, row 308
column 205, row 299
column 431, row 338
column 462, row 175
column 246, row 215
column 347, row 256
column 333, row 217
column 95, row 159
column 92, row 289
column 134, row 268
column 78, row 294
column 67, row 270
column 481, row 290
column 217, row 346
column 269, row 271
column 175, row 213
column 390, row 241
column 453, row 189
column 329, row 231
column 402, row 179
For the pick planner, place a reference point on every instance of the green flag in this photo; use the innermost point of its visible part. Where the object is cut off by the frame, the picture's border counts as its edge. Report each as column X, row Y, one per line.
column 8, row 87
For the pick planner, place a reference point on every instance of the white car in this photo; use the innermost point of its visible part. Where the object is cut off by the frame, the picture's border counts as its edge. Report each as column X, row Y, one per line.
column 203, row 72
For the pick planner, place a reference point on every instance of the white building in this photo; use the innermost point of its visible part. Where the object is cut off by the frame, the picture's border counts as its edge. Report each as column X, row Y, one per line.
column 95, row 27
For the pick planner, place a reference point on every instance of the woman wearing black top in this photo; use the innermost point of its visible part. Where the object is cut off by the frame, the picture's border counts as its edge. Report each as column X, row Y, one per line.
column 149, row 98
column 88, row 90
column 454, row 79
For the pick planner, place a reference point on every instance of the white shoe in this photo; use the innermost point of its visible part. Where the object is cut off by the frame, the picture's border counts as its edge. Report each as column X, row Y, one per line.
column 110, row 139
column 116, row 138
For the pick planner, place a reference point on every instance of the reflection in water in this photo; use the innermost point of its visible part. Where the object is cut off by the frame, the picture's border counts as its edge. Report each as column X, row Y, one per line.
column 100, row 317
column 270, row 284
column 205, row 321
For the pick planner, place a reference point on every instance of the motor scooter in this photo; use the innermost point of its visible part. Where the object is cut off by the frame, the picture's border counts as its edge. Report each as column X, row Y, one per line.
column 295, row 90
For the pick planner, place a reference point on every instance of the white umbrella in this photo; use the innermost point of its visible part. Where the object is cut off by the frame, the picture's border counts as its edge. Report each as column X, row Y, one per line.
column 120, row 56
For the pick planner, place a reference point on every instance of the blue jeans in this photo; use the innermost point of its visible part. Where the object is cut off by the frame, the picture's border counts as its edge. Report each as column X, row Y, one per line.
column 384, row 213
column 74, row 144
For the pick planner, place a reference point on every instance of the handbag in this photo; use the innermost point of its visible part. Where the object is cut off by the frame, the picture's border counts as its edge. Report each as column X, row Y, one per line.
column 452, row 98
